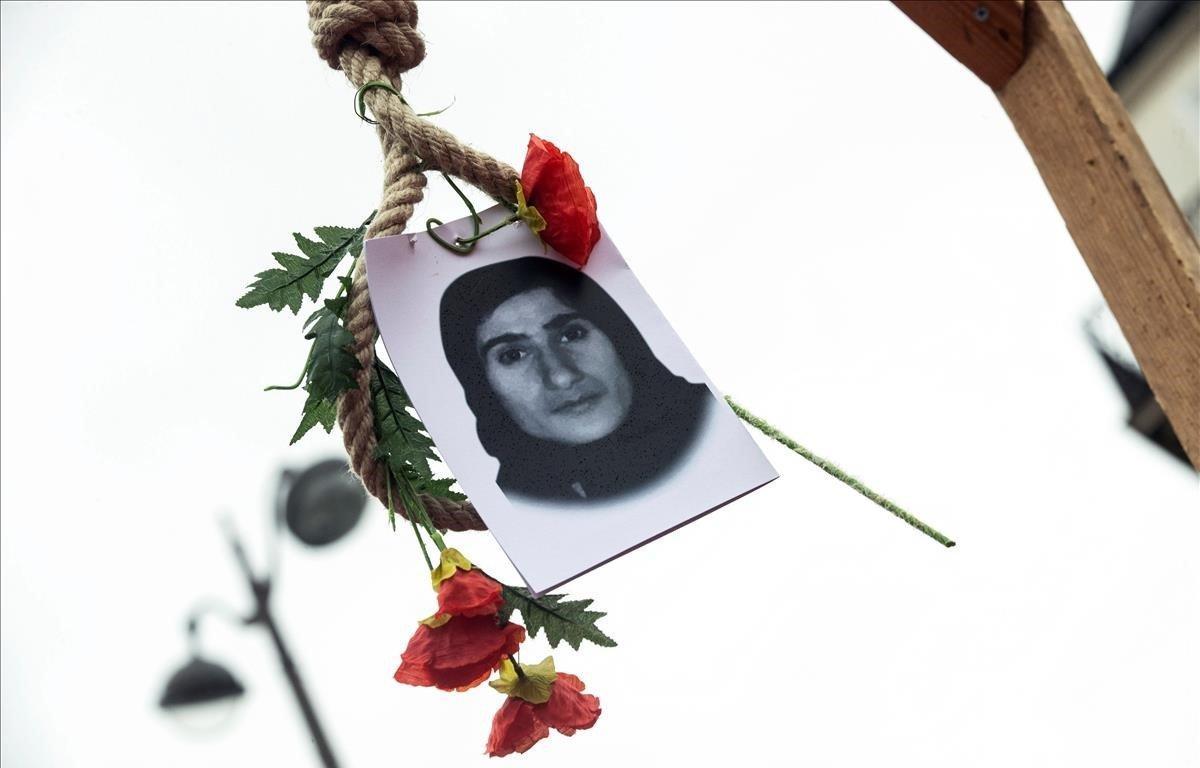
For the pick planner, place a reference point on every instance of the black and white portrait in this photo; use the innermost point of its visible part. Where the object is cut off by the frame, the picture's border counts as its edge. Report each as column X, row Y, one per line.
column 566, row 394
column 562, row 401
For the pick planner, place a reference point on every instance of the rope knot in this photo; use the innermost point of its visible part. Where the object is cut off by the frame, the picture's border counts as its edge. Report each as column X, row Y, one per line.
column 386, row 27
column 372, row 40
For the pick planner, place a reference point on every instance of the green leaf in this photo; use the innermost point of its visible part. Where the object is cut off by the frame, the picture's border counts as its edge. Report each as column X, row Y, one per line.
column 331, row 366
column 402, row 439
column 561, row 619
column 335, row 235
column 316, row 411
column 440, row 487
column 305, row 275
column 337, row 305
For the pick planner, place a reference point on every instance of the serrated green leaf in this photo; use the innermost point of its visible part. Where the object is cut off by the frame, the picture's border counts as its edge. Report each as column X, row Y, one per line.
column 290, row 262
column 440, row 487
column 333, row 235
column 313, row 318
column 559, row 618
column 287, row 287
column 331, row 366
column 316, row 252
column 403, row 442
column 401, row 436
column 402, row 452
column 316, row 411
column 337, row 305
column 302, row 276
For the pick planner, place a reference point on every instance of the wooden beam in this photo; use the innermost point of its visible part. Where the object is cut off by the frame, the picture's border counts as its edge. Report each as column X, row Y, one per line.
column 1123, row 219
column 985, row 35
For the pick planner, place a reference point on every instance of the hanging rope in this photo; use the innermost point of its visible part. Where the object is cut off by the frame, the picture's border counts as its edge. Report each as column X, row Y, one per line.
column 377, row 40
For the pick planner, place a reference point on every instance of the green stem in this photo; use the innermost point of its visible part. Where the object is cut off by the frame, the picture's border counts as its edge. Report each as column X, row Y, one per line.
column 439, row 111
column 360, row 104
column 486, row 232
column 837, row 472
column 416, row 511
column 392, row 518
column 341, row 289
column 348, row 276
column 429, row 526
column 296, row 384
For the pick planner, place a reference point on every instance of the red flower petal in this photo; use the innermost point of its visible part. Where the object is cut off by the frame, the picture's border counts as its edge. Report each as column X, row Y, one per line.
column 515, row 728
column 569, row 709
column 553, row 184
column 470, row 593
column 449, row 679
column 538, row 156
column 458, row 655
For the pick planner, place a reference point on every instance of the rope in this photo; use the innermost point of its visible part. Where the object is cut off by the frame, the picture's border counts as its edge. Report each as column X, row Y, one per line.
column 377, row 40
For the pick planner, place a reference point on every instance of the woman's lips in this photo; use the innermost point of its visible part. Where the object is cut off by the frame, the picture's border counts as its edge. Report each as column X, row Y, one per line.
column 578, row 405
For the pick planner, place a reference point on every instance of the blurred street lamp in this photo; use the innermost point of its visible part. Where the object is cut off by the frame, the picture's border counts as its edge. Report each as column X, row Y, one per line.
column 322, row 503
column 199, row 682
column 201, row 695
column 319, row 506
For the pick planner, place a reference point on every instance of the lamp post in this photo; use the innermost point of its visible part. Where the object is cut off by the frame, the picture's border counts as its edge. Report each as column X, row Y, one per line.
column 319, row 505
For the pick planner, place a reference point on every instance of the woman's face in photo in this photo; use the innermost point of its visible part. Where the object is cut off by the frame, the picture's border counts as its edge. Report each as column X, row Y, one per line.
column 557, row 374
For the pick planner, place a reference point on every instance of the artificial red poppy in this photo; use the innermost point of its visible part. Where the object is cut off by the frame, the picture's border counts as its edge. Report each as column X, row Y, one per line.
column 459, row 652
column 521, row 723
column 552, row 184
column 470, row 593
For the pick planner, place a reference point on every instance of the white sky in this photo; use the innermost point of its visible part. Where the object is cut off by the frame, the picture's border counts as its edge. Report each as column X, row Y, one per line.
column 838, row 220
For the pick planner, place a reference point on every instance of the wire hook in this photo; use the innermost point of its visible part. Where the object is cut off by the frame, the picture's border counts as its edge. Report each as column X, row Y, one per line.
column 461, row 246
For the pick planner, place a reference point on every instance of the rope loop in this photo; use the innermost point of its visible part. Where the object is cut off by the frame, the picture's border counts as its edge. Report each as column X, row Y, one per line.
column 375, row 42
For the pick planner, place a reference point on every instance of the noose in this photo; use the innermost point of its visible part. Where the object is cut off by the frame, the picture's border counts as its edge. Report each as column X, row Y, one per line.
column 376, row 41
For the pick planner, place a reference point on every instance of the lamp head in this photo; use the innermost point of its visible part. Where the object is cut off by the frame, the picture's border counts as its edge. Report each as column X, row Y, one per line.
column 323, row 503
column 200, row 682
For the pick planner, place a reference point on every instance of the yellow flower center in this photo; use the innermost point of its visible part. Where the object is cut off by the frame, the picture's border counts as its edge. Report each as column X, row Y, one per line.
column 532, row 684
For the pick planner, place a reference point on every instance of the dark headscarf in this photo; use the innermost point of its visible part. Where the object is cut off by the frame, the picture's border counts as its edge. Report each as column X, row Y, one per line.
column 664, row 415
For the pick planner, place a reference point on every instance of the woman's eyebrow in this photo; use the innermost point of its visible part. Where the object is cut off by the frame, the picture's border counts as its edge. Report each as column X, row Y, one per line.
column 501, row 339
column 560, row 320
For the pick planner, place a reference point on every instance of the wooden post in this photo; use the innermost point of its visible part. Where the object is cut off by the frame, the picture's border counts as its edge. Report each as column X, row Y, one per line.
column 1123, row 219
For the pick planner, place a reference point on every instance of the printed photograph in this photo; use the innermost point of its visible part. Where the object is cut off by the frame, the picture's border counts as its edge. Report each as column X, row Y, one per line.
column 566, row 393
column 562, row 401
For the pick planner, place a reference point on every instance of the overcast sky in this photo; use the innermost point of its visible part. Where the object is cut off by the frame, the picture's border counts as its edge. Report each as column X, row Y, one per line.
column 837, row 219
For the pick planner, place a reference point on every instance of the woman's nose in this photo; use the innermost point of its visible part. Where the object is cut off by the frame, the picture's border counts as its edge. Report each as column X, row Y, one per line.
column 558, row 372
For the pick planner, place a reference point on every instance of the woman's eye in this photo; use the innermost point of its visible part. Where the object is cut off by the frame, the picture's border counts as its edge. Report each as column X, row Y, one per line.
column 574, row 333
column 510, row 356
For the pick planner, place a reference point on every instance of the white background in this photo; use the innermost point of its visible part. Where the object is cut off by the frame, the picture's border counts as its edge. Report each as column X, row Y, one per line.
column 835, row 216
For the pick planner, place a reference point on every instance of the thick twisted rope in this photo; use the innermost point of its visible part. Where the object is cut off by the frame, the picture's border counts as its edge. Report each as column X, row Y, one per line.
column 374, row 40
